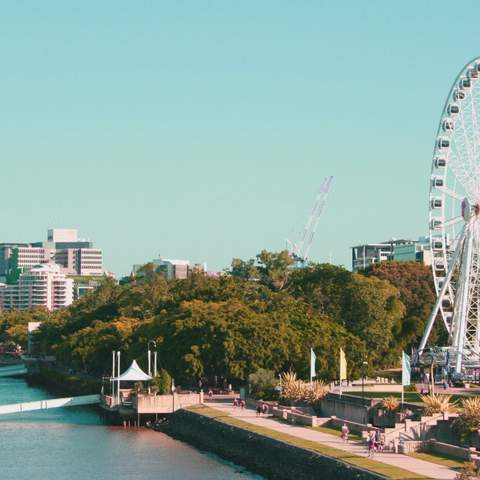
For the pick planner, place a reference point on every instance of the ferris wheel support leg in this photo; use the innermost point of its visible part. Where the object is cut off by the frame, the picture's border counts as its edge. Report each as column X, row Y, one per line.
column 460, row 333
column 438, row 302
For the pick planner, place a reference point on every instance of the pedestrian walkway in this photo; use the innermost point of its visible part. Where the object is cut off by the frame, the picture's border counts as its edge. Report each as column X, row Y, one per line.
column 411, row 464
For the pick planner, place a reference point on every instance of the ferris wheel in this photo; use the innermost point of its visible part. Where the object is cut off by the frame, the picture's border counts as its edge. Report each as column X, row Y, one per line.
column 454, row 222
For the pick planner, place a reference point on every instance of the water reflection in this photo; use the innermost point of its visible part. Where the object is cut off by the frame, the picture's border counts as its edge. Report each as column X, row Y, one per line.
column 72, row 443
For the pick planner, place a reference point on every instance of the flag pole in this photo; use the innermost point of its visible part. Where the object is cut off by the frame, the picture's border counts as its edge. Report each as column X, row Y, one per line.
column 340, row 371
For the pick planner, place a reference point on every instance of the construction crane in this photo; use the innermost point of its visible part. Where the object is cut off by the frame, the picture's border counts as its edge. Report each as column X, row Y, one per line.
column 299, row 252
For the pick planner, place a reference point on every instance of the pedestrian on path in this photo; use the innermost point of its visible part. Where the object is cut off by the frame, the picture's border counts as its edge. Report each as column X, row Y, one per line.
column 345, row 432
column 371, row 443
column 265, row 408
column 259, row 408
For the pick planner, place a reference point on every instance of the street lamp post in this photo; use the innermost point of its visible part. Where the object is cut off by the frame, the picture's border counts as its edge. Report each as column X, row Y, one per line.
column 149, row 356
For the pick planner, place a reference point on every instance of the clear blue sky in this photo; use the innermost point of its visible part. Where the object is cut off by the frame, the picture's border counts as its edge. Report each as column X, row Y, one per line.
column 202, row 129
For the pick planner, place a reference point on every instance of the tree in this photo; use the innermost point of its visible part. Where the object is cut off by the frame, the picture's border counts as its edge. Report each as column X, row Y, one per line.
column 90, row 348
column 371, row 310
column 367, row 308
column 274, row 268
column 13, row 324
column 263, row 384
column 414, row 281
column 162, row 383
column 13, row 270
column 323, row 286
column 207, row 339
column 262, row 315
column 244, row 270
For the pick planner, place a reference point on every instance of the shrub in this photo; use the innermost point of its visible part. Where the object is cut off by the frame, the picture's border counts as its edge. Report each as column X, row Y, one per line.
column 263, row 384
column 469, row 418
column 162, row 383
column 138, row 387
column 438, row 403
column 292, row 387
column 315, row 391
column 468, row 471
column 295, row 390
column 390, row 404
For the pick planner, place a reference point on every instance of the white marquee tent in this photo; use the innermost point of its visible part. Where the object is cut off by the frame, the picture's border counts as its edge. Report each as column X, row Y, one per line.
column 133, row 374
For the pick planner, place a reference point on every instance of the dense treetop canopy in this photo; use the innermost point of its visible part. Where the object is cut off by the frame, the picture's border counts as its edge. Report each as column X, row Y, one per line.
column 261, row 313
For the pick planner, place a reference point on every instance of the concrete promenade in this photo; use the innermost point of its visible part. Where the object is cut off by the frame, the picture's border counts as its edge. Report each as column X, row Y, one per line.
column 414, row 465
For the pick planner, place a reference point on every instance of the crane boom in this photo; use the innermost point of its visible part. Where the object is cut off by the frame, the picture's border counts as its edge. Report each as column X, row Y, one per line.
column 302, row 250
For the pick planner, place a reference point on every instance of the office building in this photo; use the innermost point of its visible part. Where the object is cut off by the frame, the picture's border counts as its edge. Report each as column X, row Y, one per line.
column 172, row 268
column 62, row 247
column 393, row 250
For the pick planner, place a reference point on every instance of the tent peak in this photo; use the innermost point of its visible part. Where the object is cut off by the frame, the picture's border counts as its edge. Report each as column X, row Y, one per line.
column 133, row 374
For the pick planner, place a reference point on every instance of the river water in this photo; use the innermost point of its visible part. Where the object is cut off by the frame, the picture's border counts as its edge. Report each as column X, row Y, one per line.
column 73, row 443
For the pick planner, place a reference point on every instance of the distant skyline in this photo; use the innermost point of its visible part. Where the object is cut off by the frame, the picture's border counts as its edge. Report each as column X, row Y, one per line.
column 203, row 130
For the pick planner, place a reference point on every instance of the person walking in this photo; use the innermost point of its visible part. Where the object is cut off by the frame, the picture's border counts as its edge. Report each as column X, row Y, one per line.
column 345, row 432
column 265, row 408
column 371, row 445
column 259, row 408
column 381, row 443
column 378, row 441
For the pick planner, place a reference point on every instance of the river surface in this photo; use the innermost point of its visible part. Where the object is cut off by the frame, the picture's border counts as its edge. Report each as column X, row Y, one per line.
column 73, row 443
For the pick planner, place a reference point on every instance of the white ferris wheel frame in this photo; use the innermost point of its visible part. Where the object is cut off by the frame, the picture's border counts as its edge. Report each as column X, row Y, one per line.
column 454, row 222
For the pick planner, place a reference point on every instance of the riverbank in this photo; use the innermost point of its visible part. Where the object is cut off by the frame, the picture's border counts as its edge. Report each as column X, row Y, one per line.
column 257, row 452
column 62, row 383
column 261, row 450
column 75, row 444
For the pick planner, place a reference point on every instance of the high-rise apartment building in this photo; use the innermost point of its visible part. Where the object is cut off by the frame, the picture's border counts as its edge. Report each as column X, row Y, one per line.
column 41, row 286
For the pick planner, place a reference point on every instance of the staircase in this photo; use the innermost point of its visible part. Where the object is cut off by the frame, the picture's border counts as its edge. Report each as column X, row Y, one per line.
column 414, row 431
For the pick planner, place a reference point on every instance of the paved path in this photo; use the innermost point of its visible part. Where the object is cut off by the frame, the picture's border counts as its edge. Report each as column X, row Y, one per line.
column 411, row 464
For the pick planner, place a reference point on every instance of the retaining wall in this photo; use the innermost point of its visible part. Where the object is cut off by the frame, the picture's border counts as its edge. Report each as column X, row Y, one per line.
column 347, row 407
column 267, row 456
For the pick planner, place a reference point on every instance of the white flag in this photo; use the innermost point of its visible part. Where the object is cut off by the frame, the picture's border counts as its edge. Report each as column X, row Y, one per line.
column 313, row 359
column 406, row 369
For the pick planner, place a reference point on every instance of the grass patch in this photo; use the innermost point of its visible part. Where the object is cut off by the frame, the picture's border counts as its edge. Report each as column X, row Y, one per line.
column 410, row 397
column 362, row 462
column 450, row 462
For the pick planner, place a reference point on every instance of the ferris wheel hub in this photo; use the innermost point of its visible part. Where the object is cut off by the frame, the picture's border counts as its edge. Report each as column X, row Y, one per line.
column 469, row 211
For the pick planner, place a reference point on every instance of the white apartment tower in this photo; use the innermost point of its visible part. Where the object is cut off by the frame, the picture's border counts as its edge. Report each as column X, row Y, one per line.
column 42, row 286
